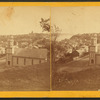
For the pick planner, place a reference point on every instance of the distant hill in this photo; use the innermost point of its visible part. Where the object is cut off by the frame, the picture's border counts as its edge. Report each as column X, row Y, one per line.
column 25, row 38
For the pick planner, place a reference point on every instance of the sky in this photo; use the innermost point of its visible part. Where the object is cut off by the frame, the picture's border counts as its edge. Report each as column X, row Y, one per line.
column 71, row 20
column 76, row 20
column 22, row 20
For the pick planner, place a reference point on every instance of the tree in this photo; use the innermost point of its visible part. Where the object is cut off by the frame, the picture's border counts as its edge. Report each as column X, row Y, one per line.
column 45, row 24
column 55, row 31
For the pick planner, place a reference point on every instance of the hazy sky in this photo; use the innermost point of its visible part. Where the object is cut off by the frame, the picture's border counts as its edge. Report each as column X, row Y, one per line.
column 74, row 20
column 22, row 20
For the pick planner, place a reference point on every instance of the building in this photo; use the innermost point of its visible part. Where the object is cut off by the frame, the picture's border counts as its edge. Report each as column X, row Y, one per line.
column 84, row 48
column 75, row 54
column 24, row 56
column 94, row 51
column 2, row 50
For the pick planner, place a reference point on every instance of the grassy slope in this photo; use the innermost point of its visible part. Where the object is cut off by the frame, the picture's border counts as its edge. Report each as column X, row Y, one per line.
column 28, row 78
column 77, row 75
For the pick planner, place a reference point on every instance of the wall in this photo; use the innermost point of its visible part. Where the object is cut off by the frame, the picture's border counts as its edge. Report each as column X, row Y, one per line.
column 98, row 59
column 9, row 59
column 21, row 61
column 15, row 61
column 92, row 58
column 28, row 61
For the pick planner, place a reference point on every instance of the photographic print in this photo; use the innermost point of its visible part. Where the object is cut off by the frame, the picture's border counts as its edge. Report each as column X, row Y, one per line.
column 24, row 49
column 76, row 48
column 49, row 49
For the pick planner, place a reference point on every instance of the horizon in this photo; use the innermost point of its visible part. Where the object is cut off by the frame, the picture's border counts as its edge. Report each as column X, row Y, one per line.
column 73, row 20
column 22, row 19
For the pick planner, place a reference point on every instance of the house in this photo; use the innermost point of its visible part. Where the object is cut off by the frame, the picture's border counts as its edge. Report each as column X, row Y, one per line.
column 75, row 54
column 24, row 56
column 85, row 48
column 80, row 51
column 2, row 50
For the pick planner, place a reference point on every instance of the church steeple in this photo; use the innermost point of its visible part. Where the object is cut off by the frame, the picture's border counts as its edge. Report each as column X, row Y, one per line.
column 94, row 40
column 93, row 50
column 9, row 51
column 11, row 42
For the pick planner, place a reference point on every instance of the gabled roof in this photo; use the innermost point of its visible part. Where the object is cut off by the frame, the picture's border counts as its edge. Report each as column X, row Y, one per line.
column 33, row 53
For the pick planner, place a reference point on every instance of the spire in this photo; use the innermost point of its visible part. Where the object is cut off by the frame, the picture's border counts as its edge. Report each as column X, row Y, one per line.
column 94, row 40
column 11, row 41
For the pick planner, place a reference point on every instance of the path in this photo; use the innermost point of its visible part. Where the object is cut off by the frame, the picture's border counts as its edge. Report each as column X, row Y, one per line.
column 75, row 66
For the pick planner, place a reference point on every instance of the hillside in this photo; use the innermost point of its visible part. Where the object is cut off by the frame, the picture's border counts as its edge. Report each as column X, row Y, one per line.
column 29, row 78
column 77, row 75
column 79, row 39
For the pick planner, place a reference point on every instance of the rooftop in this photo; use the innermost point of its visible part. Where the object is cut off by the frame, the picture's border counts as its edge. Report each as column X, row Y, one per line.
column 32, row 53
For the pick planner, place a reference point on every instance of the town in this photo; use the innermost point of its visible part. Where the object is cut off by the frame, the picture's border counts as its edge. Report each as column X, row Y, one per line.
column 77, row 63
column 24, row 49
column 24, row 59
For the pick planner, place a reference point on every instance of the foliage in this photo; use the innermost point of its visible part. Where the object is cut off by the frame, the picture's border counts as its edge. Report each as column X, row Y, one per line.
column 54, row 31
column 45, row 24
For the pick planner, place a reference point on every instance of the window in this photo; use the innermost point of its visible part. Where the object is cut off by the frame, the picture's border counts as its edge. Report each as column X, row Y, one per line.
column 32, row 62
column 92, row 55
column 8, row 62
column 92, row 61
column 40, row 61
column 24, row 61
column 17, row 60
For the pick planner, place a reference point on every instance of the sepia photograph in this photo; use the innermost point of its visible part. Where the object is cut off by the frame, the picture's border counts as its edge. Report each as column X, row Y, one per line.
column 39, row 47
column 24, row 48
column 75, row 43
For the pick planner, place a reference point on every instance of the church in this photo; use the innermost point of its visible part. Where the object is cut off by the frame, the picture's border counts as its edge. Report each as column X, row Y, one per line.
column 16, row 56
column 94, row 51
